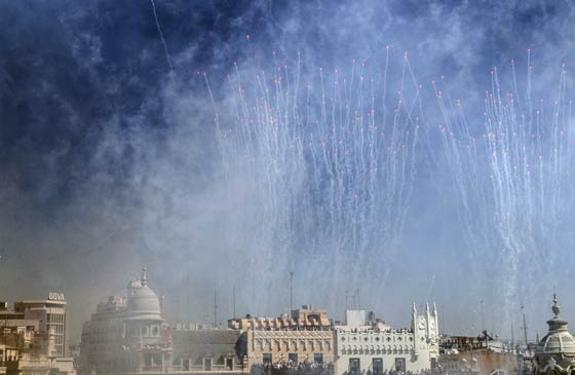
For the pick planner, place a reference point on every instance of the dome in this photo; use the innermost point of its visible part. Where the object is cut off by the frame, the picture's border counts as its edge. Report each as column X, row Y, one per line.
column 143, row 303
column 556, row 351
column 557, row 343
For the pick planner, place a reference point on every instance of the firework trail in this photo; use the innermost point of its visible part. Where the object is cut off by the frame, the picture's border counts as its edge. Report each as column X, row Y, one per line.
column 514, row 178
column 329, row 163
column 162, row 39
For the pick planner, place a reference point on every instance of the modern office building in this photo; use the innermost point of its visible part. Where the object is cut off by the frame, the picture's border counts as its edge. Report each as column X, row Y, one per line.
column 51, row 313
column 29, row 343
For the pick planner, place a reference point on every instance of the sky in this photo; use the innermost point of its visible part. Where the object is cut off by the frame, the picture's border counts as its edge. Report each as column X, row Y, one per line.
column 193, row 137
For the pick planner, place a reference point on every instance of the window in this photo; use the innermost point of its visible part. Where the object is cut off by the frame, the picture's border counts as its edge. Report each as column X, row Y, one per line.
column 267, row 358
column 400, row 364
column 152, row 360
column 377, row 366
column 292, row 357
column 318, row 358
column 354, row 366
column 207, row 364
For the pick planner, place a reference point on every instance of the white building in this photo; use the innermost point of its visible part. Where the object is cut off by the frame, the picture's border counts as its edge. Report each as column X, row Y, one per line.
column 367, row 345
column 127, row 335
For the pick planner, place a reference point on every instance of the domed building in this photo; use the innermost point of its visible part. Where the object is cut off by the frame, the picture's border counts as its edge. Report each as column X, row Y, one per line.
column 127, row 335
column 142, row 302
column 555, row 353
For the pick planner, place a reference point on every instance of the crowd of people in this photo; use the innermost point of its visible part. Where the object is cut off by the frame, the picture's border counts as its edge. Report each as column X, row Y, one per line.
column 292, row 368
column 390, row 372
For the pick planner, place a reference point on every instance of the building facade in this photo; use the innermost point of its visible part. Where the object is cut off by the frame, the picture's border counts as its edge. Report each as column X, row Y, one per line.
column 25, row 350
column 50, row 315
column 368, row 345
column 462, row 355
column 304, row 337
column 198, row 349
column 128, row 336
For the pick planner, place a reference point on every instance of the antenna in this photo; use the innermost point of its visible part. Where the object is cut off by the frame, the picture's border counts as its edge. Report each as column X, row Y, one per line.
column 482, row 316
column 234, row 301
column 215, row 308
column 290, row 291
column 524, row 325
column 188, row 285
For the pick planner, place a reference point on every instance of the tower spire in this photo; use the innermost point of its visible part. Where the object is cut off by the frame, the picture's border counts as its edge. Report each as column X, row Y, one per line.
column 556, row 323
column 144, row 277
column 524, row 326
column 555, row 308
column 290, row 291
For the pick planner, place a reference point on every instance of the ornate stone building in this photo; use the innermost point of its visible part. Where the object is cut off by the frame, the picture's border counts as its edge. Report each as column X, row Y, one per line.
column 129, row 336
column 200, row 349
column 126, row 335
column 305, row 337
column 365, row 344
column 555, row 353
column 464, row 355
